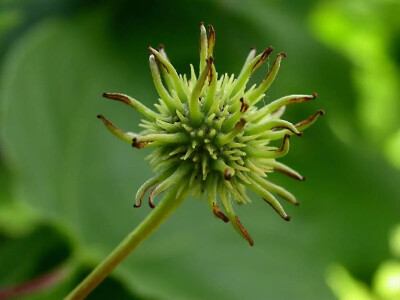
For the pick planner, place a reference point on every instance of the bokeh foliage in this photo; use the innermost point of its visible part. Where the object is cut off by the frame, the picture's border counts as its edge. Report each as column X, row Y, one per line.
column 67, row 186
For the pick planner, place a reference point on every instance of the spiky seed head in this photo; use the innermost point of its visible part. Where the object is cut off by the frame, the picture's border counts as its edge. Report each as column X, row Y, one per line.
column 210, row 137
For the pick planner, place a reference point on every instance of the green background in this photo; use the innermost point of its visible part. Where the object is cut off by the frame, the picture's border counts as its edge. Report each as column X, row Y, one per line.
column 67, row 186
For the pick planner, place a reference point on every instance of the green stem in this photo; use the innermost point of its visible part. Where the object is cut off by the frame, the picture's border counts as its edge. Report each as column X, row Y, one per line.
column 144, row 229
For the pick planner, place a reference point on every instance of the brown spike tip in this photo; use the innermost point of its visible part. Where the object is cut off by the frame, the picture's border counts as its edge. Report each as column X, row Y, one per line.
column 219, row 214
column 263, row 57
column 117, row 96
column 269, row 50
column 137, row 144
column 315, row 95
column 244, row 106
column 290, row 174
column 151, row 50
column 285, row 138
column 244, row 232
column 151, row 204
column 211, row 39
column 285, row 127
column 287, row 218
column 282, row 54
column 310, row 118
column 107, row 122
column 227, row 174
column 241, row 123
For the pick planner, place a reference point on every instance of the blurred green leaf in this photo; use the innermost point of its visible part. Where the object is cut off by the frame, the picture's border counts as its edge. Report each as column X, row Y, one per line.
column 74, row 174
column 40, row 252
column 345, row 286
column 8, row 20
column 111, row 288
column 38, row 266
column 15, row 217
column 387, row 280
column 365, row 32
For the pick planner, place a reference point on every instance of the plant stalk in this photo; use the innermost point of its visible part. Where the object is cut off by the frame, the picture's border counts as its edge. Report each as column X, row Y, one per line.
column 168, row 204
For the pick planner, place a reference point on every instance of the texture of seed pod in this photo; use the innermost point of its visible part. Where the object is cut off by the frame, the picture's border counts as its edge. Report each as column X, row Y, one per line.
column 208, row 135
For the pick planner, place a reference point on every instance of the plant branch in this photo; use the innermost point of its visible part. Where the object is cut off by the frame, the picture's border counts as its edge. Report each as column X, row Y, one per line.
column 141, row 232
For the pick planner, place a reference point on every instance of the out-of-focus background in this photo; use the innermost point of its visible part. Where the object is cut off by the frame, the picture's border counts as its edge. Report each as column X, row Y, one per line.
column 67, row 186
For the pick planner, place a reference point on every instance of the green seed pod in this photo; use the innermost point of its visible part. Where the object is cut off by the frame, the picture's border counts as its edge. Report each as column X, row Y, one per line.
column 209, row 136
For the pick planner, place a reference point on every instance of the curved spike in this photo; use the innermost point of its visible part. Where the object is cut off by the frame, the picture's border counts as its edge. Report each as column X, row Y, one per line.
column 234, row 191
column 244, row 231
column 276, row 135
column 219, row 214
column 182, row 188
column 227, row 204
column 193, row 77
column 281, row 102
column 286, row 170
column 203, row 46
column 166, row 76
column 249, row 68
column 211, row 195
column 241, row 189
column 171, row 71
column 212, row 87
column 162, row 138
column 267, row 196
column 310, row 120
column 210, row 41
column 162, row 91
column 143, row 189
column 194, row 104
column 275, row 189
column 278, row 113
column 168, row 126
column 285, row 145
column 266, row 83
column 273, row 205
column 226, row 138
column 122, row 135
column 242, row 177
column 176, row 176
column 254, row 168
column 220, row 165
column 271, row 124
column 151, row 204
column 149, row 183
column 250, row 57
column 161, row 49
column 148, row 113
column 259, row 153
